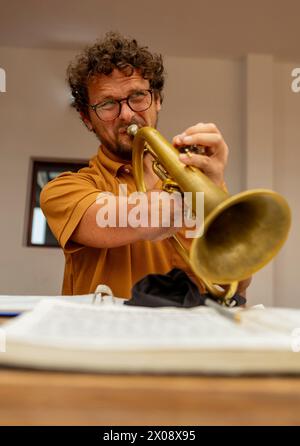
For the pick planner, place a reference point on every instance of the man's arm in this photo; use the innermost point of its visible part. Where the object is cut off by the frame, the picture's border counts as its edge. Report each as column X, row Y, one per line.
column 90, row 233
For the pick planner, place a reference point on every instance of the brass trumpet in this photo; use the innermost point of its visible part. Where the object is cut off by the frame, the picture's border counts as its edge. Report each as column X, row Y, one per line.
column 242, row 233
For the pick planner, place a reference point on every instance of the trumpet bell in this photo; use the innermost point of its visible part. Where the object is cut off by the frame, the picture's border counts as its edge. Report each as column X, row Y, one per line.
column 241, row 235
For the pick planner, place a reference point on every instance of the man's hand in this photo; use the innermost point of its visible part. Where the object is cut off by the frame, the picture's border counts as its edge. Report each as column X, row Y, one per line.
column 165, row 221
column 213, row 162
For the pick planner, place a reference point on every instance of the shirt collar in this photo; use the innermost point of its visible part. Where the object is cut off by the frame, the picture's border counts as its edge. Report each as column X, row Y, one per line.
column 111, row 162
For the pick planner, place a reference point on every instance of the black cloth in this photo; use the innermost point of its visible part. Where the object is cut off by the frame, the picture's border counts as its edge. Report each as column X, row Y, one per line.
column 174, row 289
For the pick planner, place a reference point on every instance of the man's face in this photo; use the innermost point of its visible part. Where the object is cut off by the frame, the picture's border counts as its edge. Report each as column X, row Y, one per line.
column 113, row 134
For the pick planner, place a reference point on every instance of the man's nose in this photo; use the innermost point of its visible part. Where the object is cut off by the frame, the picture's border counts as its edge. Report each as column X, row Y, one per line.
column 126, row 113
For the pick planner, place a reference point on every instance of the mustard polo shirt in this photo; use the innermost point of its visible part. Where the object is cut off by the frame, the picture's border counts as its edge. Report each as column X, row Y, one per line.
column 64, row 201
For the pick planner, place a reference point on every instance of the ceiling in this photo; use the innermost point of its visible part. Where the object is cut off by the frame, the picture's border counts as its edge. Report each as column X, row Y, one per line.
column 221, row 28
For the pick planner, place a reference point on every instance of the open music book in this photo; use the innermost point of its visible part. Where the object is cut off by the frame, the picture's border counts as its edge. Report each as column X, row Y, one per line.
column 19, row 304
column 114, row 337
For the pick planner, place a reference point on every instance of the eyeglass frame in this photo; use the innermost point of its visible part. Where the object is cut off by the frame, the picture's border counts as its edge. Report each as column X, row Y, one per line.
column 119, row 101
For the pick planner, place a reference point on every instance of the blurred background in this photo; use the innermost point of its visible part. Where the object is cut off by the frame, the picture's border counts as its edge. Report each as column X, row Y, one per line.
column 228, row 62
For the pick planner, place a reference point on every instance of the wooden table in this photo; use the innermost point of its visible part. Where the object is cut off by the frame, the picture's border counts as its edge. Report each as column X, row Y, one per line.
column 44, row 398
column 55, row 398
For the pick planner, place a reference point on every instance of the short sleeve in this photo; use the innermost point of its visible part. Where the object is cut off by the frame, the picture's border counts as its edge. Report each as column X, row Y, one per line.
column 65, row 200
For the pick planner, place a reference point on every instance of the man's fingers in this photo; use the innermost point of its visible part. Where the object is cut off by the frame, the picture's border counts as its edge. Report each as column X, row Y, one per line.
column 211, row 140
column 202, row 127
column 205, row 139
column 198, row 128
column 213, row 162
column 200, row 161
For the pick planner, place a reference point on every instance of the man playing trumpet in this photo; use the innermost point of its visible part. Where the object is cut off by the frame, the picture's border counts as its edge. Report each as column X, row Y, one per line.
column 116, row 83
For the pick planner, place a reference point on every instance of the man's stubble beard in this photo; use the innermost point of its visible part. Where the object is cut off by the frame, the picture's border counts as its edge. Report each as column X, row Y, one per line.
column 120, row 149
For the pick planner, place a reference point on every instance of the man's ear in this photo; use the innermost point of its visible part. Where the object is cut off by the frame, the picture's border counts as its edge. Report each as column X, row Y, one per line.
column 158, row 102
column 158, row 105
column 86, row 122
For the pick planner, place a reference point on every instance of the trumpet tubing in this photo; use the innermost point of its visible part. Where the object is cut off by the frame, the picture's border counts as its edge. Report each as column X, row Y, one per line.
column 242, row 233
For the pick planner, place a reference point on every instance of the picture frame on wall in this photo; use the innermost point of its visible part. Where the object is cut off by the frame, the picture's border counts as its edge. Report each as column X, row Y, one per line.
column 42, row 171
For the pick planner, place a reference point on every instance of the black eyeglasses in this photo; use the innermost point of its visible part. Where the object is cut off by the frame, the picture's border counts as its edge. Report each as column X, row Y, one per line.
column 110, row 109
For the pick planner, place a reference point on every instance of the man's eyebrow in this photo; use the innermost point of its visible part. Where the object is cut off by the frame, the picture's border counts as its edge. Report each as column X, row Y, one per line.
column 106, row 98
column 115, row 98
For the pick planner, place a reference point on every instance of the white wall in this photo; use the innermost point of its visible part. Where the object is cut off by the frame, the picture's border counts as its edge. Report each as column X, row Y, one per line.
column 271, row 151
column 287, row 180
column 35, row 120
column 258, row 151
column 207, row 90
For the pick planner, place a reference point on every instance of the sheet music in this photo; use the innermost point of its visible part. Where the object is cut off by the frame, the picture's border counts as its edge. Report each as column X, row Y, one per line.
column 75, row 326
column 26, row 303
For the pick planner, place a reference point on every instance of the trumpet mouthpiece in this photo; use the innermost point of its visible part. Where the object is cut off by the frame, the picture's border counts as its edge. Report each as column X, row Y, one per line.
column 132, row 129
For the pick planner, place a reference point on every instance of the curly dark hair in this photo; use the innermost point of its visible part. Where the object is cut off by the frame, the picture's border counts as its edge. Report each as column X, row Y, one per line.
column 114, row 51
